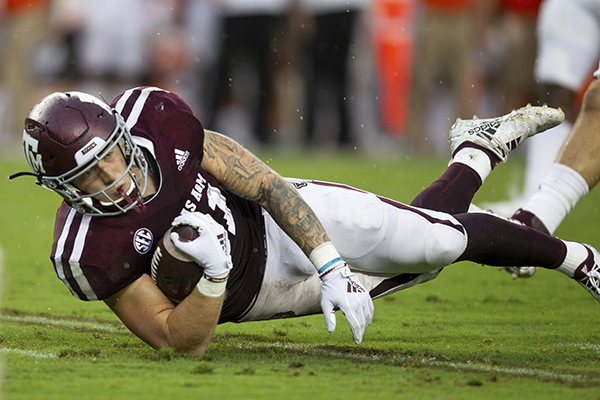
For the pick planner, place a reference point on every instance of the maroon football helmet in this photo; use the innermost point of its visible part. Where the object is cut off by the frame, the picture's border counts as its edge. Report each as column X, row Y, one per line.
column 65, row 135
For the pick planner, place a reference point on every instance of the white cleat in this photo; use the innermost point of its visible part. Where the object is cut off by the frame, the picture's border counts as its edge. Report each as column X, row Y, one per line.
column 588, row 273
column 503, row 134
column 520, row 272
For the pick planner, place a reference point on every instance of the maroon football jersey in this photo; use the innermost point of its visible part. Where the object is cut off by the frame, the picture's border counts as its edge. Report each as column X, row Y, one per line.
column 97, row 256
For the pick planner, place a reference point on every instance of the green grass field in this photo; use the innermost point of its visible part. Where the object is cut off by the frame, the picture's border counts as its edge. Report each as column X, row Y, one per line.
column 470, row 333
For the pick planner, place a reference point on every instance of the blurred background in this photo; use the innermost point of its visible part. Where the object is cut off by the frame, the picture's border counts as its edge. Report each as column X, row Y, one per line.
column 368, row 75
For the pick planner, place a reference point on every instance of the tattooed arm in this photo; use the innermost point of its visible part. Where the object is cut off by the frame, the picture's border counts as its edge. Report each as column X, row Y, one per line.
column 245, row 175
column 242, row 173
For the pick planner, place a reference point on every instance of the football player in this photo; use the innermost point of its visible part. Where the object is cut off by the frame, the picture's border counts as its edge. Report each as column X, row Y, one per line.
column 568, row 51
column 269, row 247
column 576, row 169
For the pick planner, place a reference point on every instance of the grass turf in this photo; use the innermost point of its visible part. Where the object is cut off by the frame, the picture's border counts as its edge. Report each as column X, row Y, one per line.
column 470, row 333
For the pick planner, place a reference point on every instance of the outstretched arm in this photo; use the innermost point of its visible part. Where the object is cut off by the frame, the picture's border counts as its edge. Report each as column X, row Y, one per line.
column 245, row 175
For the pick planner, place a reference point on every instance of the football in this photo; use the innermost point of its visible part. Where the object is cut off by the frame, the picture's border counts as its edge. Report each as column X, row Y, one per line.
column 171, row 270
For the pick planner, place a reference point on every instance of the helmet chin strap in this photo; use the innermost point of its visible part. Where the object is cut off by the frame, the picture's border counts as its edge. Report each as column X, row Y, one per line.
column 140, row 207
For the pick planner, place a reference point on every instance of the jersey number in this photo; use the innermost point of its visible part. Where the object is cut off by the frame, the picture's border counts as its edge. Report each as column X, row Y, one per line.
column 215, row 200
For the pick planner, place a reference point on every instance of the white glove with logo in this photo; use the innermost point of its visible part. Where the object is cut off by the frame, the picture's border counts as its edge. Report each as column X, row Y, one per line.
column 211, row 250
column 342, row 289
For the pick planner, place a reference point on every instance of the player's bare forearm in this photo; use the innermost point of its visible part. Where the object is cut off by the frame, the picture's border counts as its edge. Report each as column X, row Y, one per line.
column 293, row 214
column 191, row 325
column 151, row 316
column 245, row 175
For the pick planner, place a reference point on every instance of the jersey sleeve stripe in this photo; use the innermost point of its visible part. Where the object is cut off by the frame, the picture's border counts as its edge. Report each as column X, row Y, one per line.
column 140, row 141
column 78, row 275
column 121, row 105
column 67, row 267
column 139, row 106
column 60, row 246
column 131, row 113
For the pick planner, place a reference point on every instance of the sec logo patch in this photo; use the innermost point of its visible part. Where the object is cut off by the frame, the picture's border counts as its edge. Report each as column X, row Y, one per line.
column 142, row 240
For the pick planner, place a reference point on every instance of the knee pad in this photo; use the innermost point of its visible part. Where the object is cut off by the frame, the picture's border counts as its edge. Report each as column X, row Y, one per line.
column 444, row 244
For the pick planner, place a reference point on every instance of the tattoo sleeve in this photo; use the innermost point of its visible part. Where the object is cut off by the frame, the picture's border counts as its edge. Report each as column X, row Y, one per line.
column 245, row 175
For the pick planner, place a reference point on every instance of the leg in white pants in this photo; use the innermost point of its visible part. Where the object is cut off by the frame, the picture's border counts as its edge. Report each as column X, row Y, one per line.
column 379, row 238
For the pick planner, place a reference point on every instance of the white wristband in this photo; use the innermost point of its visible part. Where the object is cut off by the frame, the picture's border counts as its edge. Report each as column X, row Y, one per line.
column 213, row 286
column 326, row 258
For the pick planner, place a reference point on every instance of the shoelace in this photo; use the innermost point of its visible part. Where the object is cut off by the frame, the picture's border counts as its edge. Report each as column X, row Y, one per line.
column 594, row 278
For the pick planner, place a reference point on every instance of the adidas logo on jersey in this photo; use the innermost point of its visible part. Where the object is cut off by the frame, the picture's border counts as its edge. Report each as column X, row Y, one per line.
column 180, row 158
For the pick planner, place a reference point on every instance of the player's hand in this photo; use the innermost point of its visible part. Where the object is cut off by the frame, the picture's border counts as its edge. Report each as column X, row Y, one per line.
column 342, row 289
column 211, row 249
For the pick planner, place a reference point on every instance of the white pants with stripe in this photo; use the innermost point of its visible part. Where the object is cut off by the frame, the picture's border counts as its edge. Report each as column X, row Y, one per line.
column 379, row 238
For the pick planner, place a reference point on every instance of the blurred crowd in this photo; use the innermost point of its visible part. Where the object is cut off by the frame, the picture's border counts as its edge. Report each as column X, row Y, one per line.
column 365, row 74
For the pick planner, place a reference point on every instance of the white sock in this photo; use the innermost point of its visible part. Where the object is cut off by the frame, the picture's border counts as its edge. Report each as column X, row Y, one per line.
column 559, row 192
column 576, row 254
column 476, row 159
column 541, row 153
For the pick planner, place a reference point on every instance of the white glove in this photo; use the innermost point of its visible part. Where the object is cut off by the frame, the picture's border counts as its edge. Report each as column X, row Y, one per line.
column 342, row 289
column 211, row 250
